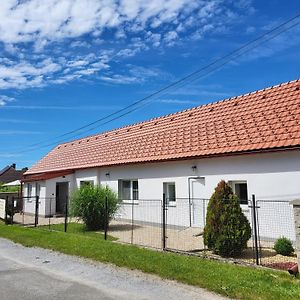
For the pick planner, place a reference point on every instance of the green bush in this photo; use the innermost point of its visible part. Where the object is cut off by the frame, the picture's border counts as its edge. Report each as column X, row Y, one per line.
column 88, row 202
column 284, row 246
column 227, row 229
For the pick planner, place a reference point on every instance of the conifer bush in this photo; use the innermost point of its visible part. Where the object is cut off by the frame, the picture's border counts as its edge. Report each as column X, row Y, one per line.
column 88, row 203
column 227, row 229
column 284, row 246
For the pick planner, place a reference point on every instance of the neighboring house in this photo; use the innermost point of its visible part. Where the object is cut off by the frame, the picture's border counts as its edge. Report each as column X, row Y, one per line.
column 252, row 141
column 10, row 173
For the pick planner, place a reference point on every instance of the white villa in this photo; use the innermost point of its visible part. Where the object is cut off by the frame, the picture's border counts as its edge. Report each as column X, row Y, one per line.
column 252, row 141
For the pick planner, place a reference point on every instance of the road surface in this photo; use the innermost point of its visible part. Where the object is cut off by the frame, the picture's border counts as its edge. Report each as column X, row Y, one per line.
column 34, row 273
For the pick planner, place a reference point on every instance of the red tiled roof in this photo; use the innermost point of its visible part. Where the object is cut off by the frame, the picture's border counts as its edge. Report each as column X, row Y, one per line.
column 45, row 176
column 260, row 121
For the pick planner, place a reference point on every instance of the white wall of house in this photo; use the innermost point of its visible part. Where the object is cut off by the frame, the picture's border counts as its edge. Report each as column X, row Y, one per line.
column 271, row 177
column 37, row 188
column 87, row 175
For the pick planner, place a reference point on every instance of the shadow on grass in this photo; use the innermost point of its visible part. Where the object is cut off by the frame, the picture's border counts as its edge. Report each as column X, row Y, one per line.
column 76, row 228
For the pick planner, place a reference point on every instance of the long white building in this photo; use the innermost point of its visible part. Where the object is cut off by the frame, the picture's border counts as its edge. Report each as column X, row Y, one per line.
column 251, row 141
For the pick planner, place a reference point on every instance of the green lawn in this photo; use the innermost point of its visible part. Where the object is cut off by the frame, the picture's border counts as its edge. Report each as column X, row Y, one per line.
column 77, row 228
column 226, row 279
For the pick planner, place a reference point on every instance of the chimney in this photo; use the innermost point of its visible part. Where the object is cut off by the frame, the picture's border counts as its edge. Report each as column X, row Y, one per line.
column 13, row 166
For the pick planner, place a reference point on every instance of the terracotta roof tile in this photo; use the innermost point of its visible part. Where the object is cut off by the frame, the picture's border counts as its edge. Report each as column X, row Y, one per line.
column 263, row 120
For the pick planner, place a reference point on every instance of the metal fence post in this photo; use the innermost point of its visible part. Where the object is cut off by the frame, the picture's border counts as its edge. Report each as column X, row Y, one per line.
column 132, row 220
column 106, row 218
column 6, row 206
column 66, row 214
column 12, row 210
column 254, row 217
column 36, row 217
column 164, row 223
column 50, row 211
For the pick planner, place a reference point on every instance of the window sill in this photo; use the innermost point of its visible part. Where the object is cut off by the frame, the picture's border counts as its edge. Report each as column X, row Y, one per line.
column 130, row 201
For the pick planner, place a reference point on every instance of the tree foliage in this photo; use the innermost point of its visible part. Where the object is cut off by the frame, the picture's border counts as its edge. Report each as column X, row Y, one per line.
column 88, row 203
column 227, row 229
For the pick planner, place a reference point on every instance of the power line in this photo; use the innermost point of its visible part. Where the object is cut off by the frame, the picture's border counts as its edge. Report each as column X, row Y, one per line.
column 211, row 67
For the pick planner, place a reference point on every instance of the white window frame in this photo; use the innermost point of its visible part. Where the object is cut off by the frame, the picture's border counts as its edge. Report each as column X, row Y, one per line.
column 232, row 183
column 132, row 190
column 166, row 192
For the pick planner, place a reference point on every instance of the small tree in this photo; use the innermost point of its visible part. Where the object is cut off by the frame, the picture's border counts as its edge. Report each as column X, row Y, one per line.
column 88, row 202
column 227, row 229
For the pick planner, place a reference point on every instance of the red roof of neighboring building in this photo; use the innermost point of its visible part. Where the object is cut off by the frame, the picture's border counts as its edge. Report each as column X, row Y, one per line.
column 264, row 120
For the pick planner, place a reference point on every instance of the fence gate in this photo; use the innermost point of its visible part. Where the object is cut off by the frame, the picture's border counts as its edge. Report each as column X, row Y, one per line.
column 20, row 205
column 184, row 223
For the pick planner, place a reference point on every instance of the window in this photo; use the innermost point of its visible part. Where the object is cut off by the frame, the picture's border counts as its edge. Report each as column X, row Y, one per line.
column 169, row 191
column 241, row 190
column 29, row 190
column 86, row 183
column 128, row 189
column 38, row 189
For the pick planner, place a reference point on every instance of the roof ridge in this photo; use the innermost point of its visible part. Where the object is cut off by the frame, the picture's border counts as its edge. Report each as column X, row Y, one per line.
column 177, row 113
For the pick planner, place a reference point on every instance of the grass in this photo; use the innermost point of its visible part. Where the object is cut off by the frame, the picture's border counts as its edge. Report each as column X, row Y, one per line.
column 78, row 228
column 226, row 279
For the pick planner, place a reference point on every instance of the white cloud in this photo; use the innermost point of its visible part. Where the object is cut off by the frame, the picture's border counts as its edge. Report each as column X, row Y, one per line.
column 80, row 44
column 58, row 41
column 24, row 74
column 47, row 21
column 127, row 52
column 17, row 121
column 5, row 99
column 177, row 101
column 12, row 132
column 43, row 21
column 57, row 107
column 170, row 37
column 119, row 79
column 9, row 155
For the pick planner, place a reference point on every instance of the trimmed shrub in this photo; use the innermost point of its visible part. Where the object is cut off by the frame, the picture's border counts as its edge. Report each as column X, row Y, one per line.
column 227, row 229
column 88, row 203
column 284, row 246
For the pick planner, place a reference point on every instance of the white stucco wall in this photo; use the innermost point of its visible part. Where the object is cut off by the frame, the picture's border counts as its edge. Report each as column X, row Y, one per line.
column 29, row 203
column 271, row 177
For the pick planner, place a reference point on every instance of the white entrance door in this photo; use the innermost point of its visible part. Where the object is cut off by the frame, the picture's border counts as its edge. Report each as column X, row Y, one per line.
column 198, row 204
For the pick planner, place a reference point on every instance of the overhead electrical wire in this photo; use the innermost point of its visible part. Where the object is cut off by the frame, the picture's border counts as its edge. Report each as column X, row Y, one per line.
column 211, row 67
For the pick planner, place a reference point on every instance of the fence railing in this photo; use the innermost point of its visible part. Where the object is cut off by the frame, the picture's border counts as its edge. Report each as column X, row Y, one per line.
column 170, row 225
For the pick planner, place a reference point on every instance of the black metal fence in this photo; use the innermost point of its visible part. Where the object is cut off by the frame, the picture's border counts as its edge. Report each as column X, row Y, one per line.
column 31, row 212
column 178, row 226
column 171, row 225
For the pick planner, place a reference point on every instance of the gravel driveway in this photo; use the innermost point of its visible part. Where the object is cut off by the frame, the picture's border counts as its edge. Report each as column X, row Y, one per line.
column 34, row 273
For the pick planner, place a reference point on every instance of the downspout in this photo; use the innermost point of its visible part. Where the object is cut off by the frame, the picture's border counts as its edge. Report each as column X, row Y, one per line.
column 21, row 189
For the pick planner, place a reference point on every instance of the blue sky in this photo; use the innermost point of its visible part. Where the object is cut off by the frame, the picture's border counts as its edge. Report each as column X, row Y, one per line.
column 65, row 63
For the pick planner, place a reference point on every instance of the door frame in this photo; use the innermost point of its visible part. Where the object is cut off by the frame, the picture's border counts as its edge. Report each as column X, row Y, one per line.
column 58, row 205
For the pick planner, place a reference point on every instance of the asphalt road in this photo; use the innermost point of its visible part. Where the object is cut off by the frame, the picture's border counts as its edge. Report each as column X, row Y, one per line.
column 20, row 282
column 34, row 273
